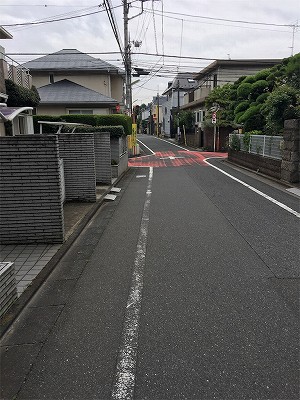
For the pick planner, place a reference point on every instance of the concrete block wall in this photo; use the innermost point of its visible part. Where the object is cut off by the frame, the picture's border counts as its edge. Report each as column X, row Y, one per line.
column 265, row 165
column 31, row 199
column 78, row 153
column 119, row 153
column 290, row 165
column 115, row 149
column 103, row 157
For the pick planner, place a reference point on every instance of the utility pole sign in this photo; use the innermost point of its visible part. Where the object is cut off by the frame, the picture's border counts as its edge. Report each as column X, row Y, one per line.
column 214, row 118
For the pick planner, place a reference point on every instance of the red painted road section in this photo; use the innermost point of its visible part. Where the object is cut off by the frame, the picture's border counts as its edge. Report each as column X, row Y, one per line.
column 178, row 158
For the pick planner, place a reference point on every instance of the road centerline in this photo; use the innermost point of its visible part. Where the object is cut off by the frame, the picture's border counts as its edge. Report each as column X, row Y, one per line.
column 125, row 372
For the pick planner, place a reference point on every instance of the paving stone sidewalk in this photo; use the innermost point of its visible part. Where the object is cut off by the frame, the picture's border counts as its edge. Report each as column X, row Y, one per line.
column 30, row 259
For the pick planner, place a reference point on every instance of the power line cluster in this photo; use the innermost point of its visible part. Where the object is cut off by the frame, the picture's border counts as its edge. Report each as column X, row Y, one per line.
column 156, row 64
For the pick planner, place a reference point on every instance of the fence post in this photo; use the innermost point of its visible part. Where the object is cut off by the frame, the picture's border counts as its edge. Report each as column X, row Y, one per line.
column 264, row 145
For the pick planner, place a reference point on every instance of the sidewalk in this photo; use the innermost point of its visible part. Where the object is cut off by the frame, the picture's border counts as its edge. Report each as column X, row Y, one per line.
column 34, row 262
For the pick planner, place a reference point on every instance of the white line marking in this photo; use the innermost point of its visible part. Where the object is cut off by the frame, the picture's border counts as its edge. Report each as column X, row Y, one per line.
column 146, row 147
column 173, row 144
column 125, row 374
column 278, row 203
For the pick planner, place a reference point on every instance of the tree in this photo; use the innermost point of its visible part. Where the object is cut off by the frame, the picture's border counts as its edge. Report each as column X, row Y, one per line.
column 186, row 119
column 261, row 101
column 19, row 96
column 222, row 96
column 282, row 104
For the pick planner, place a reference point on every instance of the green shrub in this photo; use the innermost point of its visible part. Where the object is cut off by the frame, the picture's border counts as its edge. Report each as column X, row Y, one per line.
column 255, row 132
column 262, row 75
column 19, row 96
column 235, row 143
column 238, row 116
column 242, row 106
column 115, row 131
column 255, row 122
column 262, row 98
column 105, row 121
column 251, row 111
column 250, row 79
column 258, row 88
column 244, row 90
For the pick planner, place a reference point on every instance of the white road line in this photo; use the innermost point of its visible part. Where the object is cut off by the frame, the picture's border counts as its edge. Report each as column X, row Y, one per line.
column 125, row 374
column 278, row 203
column 146, row 147
column 173, row 144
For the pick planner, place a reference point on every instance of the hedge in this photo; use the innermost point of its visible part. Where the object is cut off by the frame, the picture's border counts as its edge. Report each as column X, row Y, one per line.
column 115, row 131
column 19, row 96
column 111, row 120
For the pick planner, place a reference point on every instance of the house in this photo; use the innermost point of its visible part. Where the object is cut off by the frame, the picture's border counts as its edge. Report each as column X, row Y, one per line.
column 157, row 113
column 175, row 92
column 216, row 74
column 72, row 82
column 19, row 119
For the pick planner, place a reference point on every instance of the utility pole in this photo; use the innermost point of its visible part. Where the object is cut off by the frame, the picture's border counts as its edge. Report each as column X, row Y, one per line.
column 127, row 54
column 127, row 61
column 157, row 126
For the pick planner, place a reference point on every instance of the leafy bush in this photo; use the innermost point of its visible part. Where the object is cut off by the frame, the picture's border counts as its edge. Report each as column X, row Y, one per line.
column 115, row 131
column 186, row 118
column 246, row 140
column 108, row 122
column 250, row 112
column 19, row 96
column 235, row 143
column 244, row 90
column 255, row 132
column 242, row 106
column 258, row 88
column 282, row 103
column 255, row 122
column 262, row 98
column 262, row 75
column 249, row 79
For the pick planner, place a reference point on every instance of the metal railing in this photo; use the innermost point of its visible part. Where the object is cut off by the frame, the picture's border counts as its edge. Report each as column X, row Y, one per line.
column 266, row 146
column 16, row 72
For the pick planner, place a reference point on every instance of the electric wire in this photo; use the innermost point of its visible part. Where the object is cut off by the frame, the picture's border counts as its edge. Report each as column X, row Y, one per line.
column 220, row 19
column 55, row 20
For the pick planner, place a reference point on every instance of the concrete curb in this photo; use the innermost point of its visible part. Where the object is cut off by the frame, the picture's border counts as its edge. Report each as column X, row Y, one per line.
column 10, row 316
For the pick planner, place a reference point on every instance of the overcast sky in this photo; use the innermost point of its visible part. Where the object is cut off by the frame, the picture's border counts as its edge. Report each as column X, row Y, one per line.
column 200, row 30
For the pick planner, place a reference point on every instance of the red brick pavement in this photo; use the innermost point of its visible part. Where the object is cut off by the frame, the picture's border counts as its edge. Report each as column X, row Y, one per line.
column 173, row 159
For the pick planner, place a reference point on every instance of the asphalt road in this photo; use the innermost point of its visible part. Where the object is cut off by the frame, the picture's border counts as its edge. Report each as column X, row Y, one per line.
column 185, row 287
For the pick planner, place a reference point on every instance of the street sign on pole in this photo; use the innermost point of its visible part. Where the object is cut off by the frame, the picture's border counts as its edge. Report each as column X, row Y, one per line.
column 214, row 118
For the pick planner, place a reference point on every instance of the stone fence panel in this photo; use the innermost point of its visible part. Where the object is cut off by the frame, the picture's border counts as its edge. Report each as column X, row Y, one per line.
column 78, row 152
column 31, row 197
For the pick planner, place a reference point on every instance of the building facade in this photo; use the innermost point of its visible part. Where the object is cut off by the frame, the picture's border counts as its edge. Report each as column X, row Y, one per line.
column 70, row 81
column 174, row 94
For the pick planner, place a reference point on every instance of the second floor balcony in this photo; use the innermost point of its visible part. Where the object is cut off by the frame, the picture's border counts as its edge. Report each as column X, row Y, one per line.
column 10, row 69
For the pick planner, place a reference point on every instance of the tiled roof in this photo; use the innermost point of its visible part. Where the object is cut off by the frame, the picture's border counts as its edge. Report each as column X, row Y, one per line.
column 67, row 92
column 70, row 59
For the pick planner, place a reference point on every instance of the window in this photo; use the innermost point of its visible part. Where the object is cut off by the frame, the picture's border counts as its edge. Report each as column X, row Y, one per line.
column 51, row 78
column 80, row 111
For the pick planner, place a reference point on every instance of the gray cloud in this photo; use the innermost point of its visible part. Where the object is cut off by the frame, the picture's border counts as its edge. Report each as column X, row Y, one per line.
column 199, row 37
